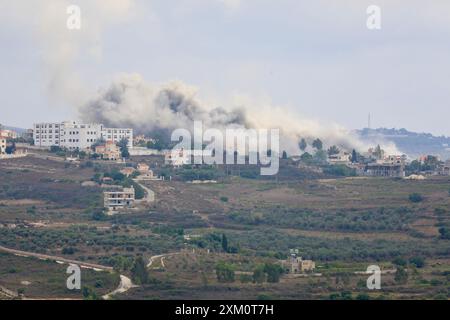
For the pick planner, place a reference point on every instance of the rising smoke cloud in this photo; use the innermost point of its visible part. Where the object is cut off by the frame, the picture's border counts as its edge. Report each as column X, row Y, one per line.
column 130, row 101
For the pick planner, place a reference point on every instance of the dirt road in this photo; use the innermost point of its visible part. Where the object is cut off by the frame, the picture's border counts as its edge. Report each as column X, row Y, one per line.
column 124, row 285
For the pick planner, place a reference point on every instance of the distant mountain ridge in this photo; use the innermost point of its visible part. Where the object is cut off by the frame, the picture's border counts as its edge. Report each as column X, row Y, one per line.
column 411, row 143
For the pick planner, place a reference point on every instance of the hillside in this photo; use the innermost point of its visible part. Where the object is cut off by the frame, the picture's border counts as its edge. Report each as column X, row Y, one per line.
column 411, row 143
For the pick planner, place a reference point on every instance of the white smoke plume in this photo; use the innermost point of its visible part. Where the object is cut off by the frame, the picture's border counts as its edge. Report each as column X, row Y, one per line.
column 132, row 102
column 59, row 47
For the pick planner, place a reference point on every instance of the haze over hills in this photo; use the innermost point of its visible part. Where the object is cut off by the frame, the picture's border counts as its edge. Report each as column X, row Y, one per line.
column 411, row 143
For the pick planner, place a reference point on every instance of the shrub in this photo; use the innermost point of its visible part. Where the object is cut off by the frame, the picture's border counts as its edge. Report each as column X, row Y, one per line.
column 401, row 276
column 225, row 272
column 340, row 170
column 419, row 262
column 259, row 276
column 445, row 233
column 245, row 278
column 273, row 272
column 68, row 250
column 415, row 197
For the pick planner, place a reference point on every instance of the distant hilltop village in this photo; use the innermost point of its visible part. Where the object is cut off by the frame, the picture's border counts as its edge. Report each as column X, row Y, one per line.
column 73, row 135
column 93, row 140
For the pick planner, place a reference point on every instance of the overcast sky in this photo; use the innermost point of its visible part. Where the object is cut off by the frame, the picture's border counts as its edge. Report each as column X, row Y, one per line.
column 316, row 57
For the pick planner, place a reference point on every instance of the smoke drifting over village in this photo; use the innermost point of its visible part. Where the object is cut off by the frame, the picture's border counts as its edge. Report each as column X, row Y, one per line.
column 132, row 102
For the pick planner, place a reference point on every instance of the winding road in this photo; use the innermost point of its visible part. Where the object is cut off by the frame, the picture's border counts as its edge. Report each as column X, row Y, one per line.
column 162, row 257
column 124, row 285
column 149, row 194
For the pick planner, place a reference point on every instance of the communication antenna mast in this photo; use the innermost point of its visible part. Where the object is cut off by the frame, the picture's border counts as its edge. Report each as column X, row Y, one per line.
column 368, row 122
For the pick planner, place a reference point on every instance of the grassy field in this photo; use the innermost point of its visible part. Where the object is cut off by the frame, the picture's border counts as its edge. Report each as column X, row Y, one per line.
column 40, row 279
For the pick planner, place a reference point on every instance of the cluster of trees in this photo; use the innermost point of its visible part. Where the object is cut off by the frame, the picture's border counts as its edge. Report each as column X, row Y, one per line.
column 225, row 272
column 320, row 155
column 430, row 164
column 62, row 152
column 120, row 179
column 382, row 219
column 268, row 272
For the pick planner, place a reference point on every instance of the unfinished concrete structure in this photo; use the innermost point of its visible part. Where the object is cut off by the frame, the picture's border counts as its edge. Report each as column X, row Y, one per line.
column 116, row 200
column 385, row 170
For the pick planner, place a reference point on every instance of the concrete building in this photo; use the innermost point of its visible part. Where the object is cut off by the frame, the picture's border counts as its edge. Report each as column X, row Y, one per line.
column 297, row 265
column 343, row 158
column 444, row 169
column 181, row 157
column 9, row 134
column 73, row 135
column 385, row 170
column 145, row 173
column 115, row 200
column 143, row 168
column 109, row 151
column 177, row 158
column 389, row 166
column 127, row 171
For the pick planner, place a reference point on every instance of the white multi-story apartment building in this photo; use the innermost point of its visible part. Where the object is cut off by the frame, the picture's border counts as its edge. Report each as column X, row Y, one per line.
column 73, row 135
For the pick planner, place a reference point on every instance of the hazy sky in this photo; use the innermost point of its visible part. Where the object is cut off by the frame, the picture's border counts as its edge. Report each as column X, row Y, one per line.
column 316, row 57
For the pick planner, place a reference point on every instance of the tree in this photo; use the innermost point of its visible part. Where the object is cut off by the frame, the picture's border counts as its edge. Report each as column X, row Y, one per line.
column 139, row 272
column 354, row 156
column 11, row 148
column 259, row 276
column 362, row 296
column 445, row 233
column 415, row 197
column 89, row 294
column 306, row 157
column 400, row 262
column 317, row 144
column 378, row 153
column 55, row 149
column 303, row 145
column 97, row 143
column 123, row 145
column 333, row 150
column 224, row 243
column 320, row 156
column 273, row 272
column 225, row 272
column 419, row 262
column 284, row 155
column 116, row 175
column 401, row 276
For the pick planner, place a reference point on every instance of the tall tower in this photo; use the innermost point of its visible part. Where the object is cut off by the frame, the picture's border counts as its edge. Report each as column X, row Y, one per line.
column 368, row 122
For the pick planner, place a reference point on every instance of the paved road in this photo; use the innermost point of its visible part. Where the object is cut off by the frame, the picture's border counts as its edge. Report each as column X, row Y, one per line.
column 149, row 194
